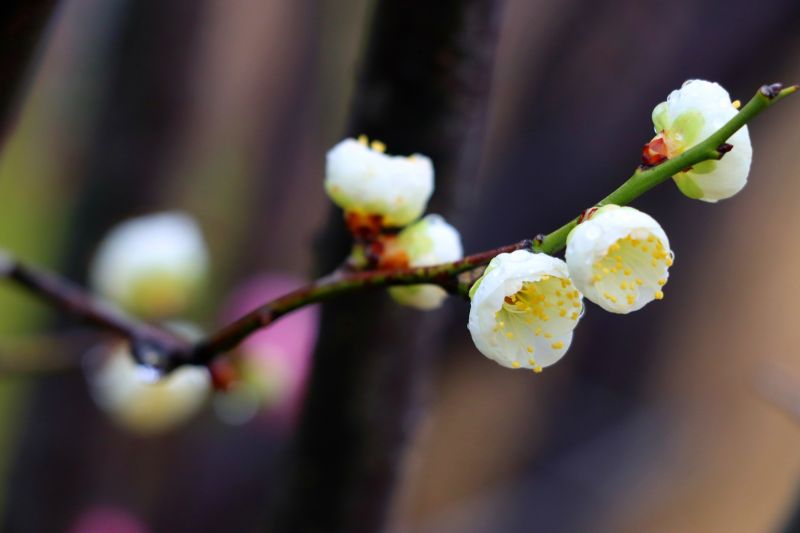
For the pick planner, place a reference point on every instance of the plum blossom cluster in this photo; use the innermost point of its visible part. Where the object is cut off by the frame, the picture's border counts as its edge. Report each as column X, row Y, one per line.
column 526, row 305
column 153, row 266
column 380, row 194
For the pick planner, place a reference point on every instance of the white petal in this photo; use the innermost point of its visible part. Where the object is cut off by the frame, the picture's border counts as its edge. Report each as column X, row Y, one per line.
column 522, row 338
column 166, row 249
column 632, row 275
column 128, row 394
column 424, row 297
column 430, row 241
column 361, row 179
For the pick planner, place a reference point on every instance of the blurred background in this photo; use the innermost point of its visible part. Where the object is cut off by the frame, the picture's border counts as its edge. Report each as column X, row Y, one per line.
column 682, row 417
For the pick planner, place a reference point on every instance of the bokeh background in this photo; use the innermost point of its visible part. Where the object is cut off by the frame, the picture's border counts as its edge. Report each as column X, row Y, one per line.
column 682, row 417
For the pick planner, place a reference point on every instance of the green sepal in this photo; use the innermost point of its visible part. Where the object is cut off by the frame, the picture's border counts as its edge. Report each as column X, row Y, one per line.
column 661, row 117
column 688, row 186
column 688, row 125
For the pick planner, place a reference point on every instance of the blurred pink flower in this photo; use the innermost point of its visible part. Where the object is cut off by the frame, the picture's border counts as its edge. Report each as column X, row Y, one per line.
column 106, row 519
column 276, row 360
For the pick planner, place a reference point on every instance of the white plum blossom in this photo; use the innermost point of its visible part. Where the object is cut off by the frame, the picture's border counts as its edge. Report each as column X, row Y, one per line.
column 524, row 309
column 137, row 400
column 427, row 242
column 152, row 265
column 690, row 115
column 363, row 180
column 619, row 258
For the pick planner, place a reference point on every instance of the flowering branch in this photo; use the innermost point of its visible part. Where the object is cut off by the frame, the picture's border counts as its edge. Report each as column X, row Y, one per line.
column 644, row 178
column 343, row 282
column 159, row 348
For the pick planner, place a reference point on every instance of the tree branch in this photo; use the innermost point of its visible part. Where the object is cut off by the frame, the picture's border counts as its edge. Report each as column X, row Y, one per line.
column 157, row 347
column 336, row 284
column 148, row 342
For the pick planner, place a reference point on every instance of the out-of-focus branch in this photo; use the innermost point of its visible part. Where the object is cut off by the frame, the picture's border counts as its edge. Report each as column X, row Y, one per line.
column 148, row 342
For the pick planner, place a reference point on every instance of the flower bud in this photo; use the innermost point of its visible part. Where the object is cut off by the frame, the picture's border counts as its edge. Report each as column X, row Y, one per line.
column 364, row 181
column 690, row 115
column 524, row 309
column 152, row 265
column 135, row 397
column 619, row 258
column 427, row 242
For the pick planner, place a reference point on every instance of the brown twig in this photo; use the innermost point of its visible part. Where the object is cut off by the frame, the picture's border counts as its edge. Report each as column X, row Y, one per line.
column 158, row 348
column 149, row 343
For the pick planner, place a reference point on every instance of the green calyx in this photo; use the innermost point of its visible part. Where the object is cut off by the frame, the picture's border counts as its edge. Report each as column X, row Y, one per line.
column 491, row 266
column 688, row 186
column 687, row 127
column 684, row 131
column 415, row 240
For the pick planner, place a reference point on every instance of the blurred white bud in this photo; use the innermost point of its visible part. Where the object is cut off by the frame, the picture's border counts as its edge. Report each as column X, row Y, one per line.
column 427, row 242
column 690, row 115
column 134, row 398
column 364, row 181
column 152, row 265
column 619, row 258
column 524, row 310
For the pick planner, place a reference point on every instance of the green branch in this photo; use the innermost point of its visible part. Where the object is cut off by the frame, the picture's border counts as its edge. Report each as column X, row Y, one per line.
column 645, row 179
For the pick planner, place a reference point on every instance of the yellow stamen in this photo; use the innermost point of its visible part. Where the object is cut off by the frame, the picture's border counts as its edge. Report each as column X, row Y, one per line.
column 557, row 345
column 659, row 295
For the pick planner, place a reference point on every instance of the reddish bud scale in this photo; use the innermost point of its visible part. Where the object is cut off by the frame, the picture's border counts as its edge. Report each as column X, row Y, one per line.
column 396, row 260
column 364, row 226
column 655, row 152
column 223, row 374
column 587, row 214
